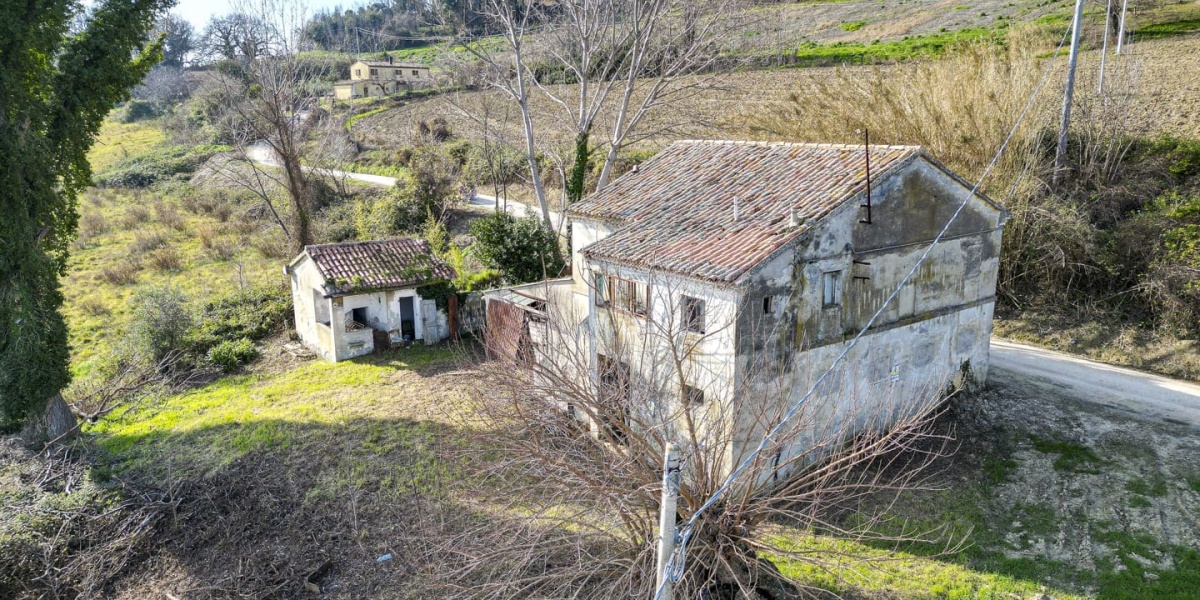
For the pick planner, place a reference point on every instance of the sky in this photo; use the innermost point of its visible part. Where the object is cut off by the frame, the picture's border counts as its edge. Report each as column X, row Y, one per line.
column 198, row 12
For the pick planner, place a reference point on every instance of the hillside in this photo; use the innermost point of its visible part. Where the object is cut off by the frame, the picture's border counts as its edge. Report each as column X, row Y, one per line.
column 271, row 474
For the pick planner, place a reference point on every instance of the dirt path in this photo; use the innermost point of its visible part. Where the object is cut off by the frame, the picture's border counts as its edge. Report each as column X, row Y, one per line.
column 1139, row 394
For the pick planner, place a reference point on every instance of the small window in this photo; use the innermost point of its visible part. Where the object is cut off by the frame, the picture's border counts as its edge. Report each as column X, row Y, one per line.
column 601, row 283
column 374, row 72
column 358, row 72
column 416, row 73
column 768, row 305
column 831, row 288
column 693, row 314
column 397, row 72
column 693, row 396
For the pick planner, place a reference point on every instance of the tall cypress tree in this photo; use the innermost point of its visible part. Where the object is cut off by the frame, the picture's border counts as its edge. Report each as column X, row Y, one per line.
column 61, row 72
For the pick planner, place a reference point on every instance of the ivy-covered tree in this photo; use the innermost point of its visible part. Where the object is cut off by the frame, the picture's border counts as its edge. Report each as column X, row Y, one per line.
column 60, row 73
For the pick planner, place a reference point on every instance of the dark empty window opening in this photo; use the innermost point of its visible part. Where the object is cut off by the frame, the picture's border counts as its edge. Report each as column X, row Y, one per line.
column 358, row 72
column 693, row 396
column 693, row 314
column 358, row 319
column 768, row 305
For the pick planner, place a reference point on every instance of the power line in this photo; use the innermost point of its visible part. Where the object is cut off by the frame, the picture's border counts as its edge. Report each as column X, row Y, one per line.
column 678, row 561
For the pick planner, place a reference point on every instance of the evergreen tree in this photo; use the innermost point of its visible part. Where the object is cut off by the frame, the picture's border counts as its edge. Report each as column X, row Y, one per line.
column 61, row 72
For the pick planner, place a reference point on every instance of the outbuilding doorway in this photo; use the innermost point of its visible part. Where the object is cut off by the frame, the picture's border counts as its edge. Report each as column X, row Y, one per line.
column 408, row 323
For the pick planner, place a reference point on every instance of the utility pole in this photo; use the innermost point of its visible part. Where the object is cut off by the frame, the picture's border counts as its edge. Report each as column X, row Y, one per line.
column 1060, row 154
column 663, row 586
column 1121, row 27
column 1104, row 48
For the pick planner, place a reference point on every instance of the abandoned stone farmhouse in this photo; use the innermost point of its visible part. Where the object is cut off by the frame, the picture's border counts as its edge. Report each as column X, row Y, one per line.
column 732, row 274
column 380, row 78
column 354, row 296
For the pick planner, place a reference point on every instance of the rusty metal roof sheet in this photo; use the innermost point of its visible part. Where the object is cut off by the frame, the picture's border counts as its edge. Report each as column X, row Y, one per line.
column 356, row 267
column 677, row 212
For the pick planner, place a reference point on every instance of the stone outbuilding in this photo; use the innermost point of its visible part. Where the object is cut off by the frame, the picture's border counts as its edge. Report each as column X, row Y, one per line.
column 352, row 297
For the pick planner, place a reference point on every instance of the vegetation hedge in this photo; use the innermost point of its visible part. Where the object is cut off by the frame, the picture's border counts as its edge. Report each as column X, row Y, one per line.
column 161, row 164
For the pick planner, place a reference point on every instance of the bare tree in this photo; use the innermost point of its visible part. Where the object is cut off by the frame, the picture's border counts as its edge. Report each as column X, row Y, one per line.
column 601, row 64
column 582, row 408
column 240, row 35
column 278, row 108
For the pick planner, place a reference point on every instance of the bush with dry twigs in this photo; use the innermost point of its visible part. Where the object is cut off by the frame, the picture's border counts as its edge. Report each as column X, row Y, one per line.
column 581, row 458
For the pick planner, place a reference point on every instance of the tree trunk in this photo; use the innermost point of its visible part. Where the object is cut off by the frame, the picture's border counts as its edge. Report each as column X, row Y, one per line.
column 56, row 424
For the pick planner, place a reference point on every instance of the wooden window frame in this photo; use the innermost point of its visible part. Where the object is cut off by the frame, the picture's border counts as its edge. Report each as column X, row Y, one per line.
column 624, row 295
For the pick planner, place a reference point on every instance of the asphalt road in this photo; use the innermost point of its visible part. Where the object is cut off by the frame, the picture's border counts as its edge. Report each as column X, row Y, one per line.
column 1145, row 395
column 261, row 153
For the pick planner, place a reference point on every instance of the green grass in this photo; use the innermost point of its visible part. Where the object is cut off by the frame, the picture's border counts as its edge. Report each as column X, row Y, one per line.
column 897, row 574
column 852, row 25
column 1194, row 484
column 910, row 47
column 362, row 115
column 1169, row 29
column 1072, row 457
column 118, row 141
column 998, row 470
column 1156, row 487
column 371, row 402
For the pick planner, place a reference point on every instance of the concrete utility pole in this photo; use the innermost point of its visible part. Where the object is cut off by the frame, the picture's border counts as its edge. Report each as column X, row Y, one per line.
column 664, row 587
column 1104, row 48
column 1121, row 27
column 1060, row 154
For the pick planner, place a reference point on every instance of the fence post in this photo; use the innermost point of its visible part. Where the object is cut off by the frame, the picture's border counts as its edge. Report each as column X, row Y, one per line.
column 666, row 521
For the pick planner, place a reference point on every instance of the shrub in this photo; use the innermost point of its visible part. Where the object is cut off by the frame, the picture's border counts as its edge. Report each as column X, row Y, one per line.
column 139, row 110
column 230, row 355
column 166, row 259
column 523, row 250
column 143, row 170
column 253, row 315
column 145, row 242
column 135, row 214
column 168, row 215
column 92, row 224
column 161, row 320
column 122, row 273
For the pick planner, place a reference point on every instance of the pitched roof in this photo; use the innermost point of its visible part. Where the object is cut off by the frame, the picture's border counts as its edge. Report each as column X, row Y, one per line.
column 356, row 267
column 676, row 212
column 385, row 63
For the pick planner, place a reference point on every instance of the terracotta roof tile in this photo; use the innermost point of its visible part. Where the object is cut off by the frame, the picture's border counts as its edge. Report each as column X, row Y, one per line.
column 676, row 212
column 355, row 267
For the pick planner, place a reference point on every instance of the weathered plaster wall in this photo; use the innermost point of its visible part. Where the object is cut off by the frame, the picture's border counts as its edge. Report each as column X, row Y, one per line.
column 940, row 321
column 321, row 322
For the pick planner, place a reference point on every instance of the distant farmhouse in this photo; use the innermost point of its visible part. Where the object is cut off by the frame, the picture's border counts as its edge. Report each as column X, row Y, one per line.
column 352, row 297
column 730, row 275
column 379, row 78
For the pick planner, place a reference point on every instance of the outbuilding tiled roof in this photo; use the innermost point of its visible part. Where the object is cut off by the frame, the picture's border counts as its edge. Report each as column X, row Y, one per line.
column 355, row 267
column 677, row 212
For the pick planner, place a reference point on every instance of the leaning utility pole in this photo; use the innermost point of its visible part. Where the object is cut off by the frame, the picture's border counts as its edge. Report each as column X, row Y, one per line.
column 1060, row 154
column 663, row 586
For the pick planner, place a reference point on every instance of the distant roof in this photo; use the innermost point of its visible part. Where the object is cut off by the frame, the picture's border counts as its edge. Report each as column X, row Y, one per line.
column 676, row 212
column 398, row 65
column 356, row 267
